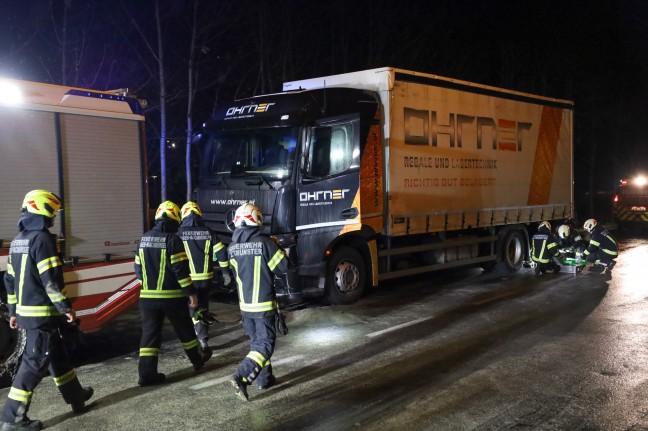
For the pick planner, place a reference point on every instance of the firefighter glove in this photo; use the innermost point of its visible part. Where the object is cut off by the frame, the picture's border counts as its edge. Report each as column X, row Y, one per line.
column 227, row 278
column 204, row 316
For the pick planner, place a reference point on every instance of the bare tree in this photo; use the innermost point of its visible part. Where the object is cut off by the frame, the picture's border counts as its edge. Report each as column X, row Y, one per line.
column 158, row 55
column 190, row 96
column 66, row 7
column 163, row 129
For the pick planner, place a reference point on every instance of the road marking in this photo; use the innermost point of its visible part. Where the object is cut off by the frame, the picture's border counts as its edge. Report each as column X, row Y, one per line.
column 397, row 327
column 223, row 379
column 91, row 366
column 209, row 383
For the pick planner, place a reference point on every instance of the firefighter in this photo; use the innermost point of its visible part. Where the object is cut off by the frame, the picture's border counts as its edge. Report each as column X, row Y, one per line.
column 162, row 267
column 602, row 249
column 544, row 249
column 569, row 240
column 37, row 303
column 201, row 245
column 255, row 259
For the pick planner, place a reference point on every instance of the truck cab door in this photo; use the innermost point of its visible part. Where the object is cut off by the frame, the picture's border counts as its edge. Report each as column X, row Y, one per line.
column 328, row 188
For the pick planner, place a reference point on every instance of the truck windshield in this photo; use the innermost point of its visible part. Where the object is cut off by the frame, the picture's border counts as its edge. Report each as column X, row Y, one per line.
column 267, row 152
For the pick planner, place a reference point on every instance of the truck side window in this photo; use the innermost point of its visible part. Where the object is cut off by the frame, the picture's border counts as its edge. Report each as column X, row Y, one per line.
column 331, row 150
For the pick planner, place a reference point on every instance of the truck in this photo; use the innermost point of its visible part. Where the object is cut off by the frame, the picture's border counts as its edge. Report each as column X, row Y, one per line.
column 368, row 176
column 88, row 147
column 630, row 203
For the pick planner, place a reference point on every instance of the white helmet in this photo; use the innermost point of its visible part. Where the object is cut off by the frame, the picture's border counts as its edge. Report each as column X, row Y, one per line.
column 248, row 215
column 545, row 224
column 589, row 225
column 563, row 231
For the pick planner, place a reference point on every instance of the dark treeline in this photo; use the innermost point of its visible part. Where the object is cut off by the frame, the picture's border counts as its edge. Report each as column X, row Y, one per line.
column 589, row 51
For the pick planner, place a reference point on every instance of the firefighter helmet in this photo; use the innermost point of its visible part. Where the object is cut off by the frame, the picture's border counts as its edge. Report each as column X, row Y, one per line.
column 168, row 209
column 188, row 208
column 42, row 202
column 563, row 231
column 248, row 215
column 590, row 224
column 546, row 224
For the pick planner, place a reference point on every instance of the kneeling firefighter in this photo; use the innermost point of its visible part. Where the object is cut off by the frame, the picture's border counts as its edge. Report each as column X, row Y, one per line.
column 544, row 249
column 570, row 240
column 602, row 249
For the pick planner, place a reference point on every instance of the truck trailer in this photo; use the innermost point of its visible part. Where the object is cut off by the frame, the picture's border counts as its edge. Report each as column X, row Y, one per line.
column 88, row 147
column 372, row 175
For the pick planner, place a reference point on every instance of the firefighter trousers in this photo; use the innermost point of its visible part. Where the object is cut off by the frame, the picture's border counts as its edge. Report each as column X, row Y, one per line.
column 152, row 320
column 44, row 350
column 601, row 257
column 256, row 364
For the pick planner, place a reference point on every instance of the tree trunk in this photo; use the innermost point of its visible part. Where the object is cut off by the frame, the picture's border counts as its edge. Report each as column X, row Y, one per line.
column 66, row 6
column 190, row 97
column 163, row 184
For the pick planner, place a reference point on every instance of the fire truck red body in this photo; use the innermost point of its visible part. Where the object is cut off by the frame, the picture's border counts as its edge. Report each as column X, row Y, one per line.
column 88, row 147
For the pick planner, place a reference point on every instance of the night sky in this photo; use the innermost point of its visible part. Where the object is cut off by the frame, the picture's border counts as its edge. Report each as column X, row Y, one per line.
column 592, row 52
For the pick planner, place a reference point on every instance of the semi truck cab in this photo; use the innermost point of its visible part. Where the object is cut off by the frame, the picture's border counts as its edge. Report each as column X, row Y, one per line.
column 297, row 156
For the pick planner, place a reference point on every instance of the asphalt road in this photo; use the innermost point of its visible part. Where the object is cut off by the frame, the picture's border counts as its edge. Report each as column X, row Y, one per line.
column 461, row 350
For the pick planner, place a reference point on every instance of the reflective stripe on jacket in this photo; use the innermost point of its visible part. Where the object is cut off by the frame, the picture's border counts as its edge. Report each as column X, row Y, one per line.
column 34, row 280
column 162, row 267
column 600, row 239
column 201, row 245
column 543, row 247
column 255, row 259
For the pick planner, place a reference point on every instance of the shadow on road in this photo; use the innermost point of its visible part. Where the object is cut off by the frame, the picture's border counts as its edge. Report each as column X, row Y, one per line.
column 497, row 320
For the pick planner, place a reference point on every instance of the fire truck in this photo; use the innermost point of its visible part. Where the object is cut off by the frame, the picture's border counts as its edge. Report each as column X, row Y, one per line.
column 88, row 147
column 631, row 202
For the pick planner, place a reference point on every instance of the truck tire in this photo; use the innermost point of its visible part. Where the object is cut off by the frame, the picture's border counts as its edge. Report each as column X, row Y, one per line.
column 345, row 276
column 512, row 252
column 12, row 346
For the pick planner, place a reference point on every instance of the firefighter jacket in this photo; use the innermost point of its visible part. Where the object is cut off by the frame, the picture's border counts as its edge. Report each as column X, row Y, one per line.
column 575, row 242
column 200, row 244
column 34, row 277
column 543, row 246
column 601, row 240
column 255, row 259
column 162, row 267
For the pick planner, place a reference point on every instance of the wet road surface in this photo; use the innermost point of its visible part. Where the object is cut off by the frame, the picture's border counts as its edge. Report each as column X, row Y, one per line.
column 462, row 350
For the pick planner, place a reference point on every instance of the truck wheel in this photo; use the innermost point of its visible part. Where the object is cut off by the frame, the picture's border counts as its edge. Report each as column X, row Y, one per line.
column 345, row 278
column 12, row 346
column 512, row 252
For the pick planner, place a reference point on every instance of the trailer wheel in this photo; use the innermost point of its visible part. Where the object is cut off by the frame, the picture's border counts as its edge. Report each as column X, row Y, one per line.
column 512, row 252
column 345, row 278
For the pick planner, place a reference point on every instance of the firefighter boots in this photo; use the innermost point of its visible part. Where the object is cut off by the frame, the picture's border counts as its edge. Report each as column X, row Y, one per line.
column 205, row 355
column 270, row 383
column 155, row 379
column 598, row 268
column 239, row 386
column 610, row 266
column 86, row 394
column 26, row 424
